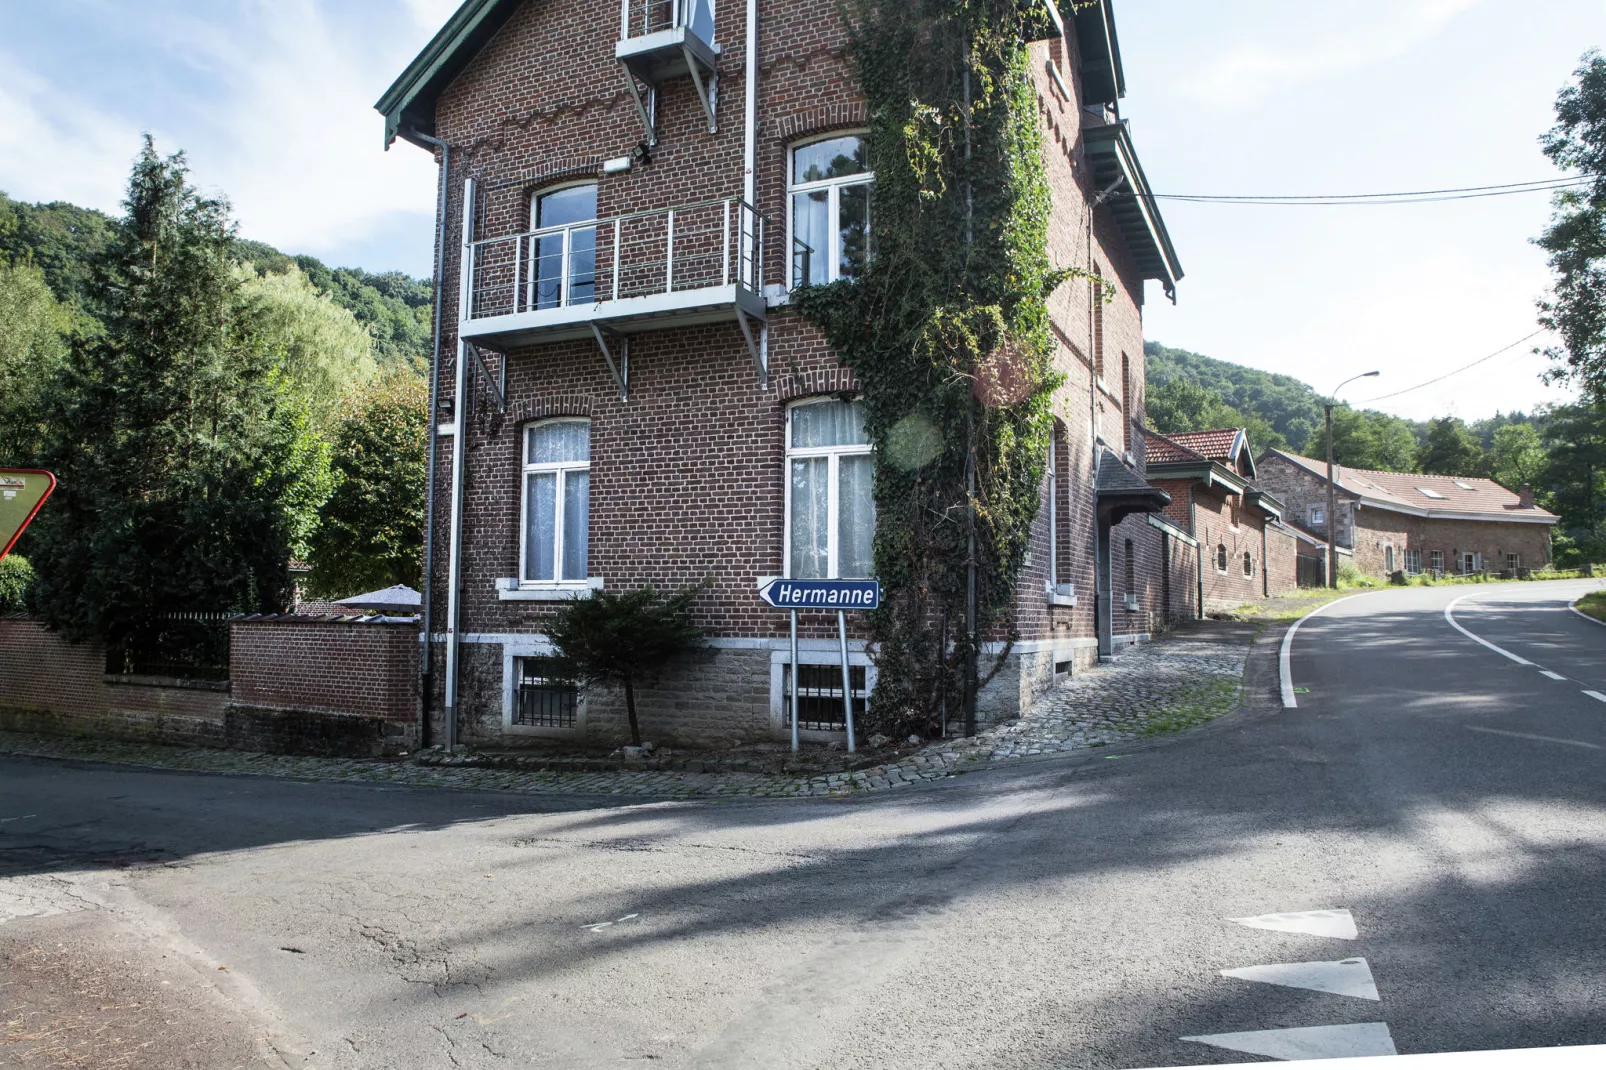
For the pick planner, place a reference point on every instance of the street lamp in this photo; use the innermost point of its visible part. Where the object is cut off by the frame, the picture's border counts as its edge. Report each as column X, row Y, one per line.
column 1332, row 520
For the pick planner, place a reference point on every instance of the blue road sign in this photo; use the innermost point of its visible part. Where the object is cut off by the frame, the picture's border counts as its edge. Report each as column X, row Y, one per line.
column 822, row 594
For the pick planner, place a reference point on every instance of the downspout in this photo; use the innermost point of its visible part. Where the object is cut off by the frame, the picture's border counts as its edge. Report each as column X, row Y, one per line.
column 750, row 132
column 426, row 676
column 454, row 570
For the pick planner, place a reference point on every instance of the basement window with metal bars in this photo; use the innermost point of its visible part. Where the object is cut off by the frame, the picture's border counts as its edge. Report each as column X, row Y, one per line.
column 544, row 698
column 819, row 699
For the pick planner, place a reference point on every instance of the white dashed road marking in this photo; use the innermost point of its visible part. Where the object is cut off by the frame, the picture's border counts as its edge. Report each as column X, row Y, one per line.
column 1596, row 695
column 1530, row 735
column 1552, row 675
column 1310, row 1042
column 1347, row 977
column 1502, row 651
column 1335, row 923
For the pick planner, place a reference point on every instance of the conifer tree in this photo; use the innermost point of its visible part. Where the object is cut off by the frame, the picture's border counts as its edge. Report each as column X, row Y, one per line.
column 172, row 432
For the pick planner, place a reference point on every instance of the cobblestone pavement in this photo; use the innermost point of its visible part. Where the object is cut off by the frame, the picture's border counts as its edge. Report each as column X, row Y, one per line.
column 1152, row 689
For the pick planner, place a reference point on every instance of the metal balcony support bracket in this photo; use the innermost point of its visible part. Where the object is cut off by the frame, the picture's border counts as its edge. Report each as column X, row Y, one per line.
column 619, row 366
column 707, row 91
column 498, row 384
column 757, row 345
column 646, row 108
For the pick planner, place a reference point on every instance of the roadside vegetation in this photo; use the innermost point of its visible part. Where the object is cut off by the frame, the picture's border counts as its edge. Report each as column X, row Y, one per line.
column 1593, row 604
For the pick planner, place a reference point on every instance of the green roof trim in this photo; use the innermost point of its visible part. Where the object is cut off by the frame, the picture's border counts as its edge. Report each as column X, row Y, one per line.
column 409, row 104
column 1103, row 80
column 1115, row 164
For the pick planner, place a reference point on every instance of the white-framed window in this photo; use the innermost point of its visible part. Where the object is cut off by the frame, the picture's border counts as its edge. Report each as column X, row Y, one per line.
column 1413, row 561
column 563, row 268
column 1388, row 559
column 543, row 694
column 554, row 528
column 830, row 511
column 829, row 209
column 1470, row 563
column 1436, row 560
column 1316, row 516
column 1513, row 563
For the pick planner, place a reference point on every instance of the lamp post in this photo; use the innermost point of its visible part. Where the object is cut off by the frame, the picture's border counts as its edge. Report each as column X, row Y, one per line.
column 1332, row 520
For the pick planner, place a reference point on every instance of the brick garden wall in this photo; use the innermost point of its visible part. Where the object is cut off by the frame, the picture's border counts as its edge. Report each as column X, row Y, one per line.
column 1282, row 562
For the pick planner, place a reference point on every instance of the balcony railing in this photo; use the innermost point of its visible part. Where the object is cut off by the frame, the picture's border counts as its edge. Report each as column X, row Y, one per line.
column 638, row 18
column 644, row 263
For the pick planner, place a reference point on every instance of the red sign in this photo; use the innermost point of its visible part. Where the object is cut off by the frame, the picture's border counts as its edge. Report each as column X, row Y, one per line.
column 22, row 492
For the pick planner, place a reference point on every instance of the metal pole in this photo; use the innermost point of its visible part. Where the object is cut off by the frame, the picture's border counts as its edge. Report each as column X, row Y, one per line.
column 1332, row 521
column 794, row 680
column 847, row 676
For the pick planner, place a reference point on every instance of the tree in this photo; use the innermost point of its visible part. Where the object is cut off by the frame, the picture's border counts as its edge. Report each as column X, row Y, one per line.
column 1366, row 439
column 33, row 327
column 1517, row 456
column 15, row 576
column 172, row 431
column 371, row 529
column 1451, row 450
column 1575, row 474
column 1183, row 405
column 621, row 640
column 1576, row 236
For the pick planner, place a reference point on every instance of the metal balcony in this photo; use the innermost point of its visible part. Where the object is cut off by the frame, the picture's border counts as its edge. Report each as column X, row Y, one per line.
column 662, row 39
column 674, row 267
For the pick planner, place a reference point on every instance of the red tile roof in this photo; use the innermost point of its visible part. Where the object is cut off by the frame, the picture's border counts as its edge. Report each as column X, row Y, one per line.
column 1215, row 445
column 1449, row 494
column 1165, row 449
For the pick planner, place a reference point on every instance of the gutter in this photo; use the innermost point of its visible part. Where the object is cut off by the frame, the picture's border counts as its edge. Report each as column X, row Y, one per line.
column 426, row 676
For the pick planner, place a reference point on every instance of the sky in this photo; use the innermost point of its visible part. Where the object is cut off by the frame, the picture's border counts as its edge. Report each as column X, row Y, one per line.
column 272, row 102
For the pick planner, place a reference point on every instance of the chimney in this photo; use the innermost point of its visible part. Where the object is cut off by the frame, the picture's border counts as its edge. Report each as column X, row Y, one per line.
column 1525, row 497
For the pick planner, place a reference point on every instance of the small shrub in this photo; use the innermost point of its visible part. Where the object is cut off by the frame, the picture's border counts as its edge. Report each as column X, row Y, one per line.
column 1351, row 576
column 15, row 576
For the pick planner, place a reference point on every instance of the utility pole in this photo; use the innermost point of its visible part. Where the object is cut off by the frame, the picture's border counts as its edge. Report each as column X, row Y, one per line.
column 1332, row 489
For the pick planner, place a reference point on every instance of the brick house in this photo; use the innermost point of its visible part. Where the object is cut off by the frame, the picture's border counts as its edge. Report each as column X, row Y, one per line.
column 1402, row 521
column 1242, row 550
column 623, row 395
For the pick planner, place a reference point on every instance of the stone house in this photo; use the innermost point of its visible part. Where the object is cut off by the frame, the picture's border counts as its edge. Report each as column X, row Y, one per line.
column 1242, row 551
column 624, row 396
column 1403, row 521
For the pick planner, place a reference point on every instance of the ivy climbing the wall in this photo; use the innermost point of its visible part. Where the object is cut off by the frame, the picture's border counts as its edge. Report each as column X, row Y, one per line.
column 947, row 332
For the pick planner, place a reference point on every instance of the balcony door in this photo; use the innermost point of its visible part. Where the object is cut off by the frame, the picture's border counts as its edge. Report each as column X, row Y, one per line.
column 564, row 271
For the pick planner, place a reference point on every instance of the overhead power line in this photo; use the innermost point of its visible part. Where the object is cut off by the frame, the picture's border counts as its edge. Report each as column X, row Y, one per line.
column 1399, row 197
column 1458, row 371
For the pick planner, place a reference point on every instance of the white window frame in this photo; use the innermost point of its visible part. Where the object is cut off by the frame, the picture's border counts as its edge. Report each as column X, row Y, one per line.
column 1316, row 515
column 832, row 491
column 1413, row 562
column 833, row 209
column 561, row 498
column 566, row 280
column 1436, row 561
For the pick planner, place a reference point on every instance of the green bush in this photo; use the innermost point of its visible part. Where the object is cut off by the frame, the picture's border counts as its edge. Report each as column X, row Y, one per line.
column 1349, row 575
column 15, row 576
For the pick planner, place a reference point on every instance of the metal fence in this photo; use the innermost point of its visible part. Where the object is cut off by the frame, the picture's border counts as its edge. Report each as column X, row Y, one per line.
column 1310, row 571
column 643, row 254
column 192, row 646
column 638, row 18
column 543, row 699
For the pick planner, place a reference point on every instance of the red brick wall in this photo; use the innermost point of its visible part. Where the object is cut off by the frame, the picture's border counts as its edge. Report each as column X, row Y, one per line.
column 1282, row 560
column 1493, row 539
column 1213, row 527
column 368, row 670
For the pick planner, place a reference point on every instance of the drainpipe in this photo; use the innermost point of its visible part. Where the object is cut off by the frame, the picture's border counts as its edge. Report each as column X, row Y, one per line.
column 454, row 570
column 750, row 133
column 426, row 676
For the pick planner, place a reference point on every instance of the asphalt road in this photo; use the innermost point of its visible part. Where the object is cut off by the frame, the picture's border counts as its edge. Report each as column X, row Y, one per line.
column 1069, row 913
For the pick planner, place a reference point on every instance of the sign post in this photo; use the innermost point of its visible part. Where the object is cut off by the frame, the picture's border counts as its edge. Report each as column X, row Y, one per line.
column 827, row 595
column 22, row 492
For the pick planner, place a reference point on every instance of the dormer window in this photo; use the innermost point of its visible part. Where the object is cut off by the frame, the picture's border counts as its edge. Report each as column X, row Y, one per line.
column 830, row 207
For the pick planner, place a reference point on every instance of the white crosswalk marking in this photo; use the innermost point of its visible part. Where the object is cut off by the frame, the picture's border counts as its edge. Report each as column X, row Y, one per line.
column 1335, row 923
column 1347, row 977
column 1309, row 1042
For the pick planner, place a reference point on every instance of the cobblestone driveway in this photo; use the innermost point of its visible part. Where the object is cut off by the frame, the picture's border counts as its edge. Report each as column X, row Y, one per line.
column 1151, row 689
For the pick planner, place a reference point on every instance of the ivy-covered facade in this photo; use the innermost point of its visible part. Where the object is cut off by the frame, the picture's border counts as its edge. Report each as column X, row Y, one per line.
column 787, row 289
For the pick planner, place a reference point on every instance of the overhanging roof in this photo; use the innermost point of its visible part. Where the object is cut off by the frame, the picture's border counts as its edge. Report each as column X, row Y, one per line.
column 409, row 104
column 1115, row 163
column 1103, row 81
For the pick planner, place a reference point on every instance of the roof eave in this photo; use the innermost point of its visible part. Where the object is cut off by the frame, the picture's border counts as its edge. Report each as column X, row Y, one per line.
column 409, row 104
column 1103, row 79
column 1109, row 149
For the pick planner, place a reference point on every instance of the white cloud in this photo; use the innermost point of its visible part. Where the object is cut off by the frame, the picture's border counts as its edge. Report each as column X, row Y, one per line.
column 1311, row 46
column 431, row 15
column 56, row 147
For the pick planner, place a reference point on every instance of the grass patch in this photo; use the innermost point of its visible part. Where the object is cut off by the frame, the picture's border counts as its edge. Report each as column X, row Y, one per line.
column 1198, row 704
column 1288, row 607
column 1594, row 604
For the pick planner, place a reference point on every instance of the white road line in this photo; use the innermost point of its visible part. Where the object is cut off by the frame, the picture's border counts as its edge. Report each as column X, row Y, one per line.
column 1573, row 605
column 1346, row 977
column 1285, row 667
column 1336, row 923
column 1502, row 651
column 1530, row 735
column 1552, row 675
column 1596, row 695
column 1310, row 1042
